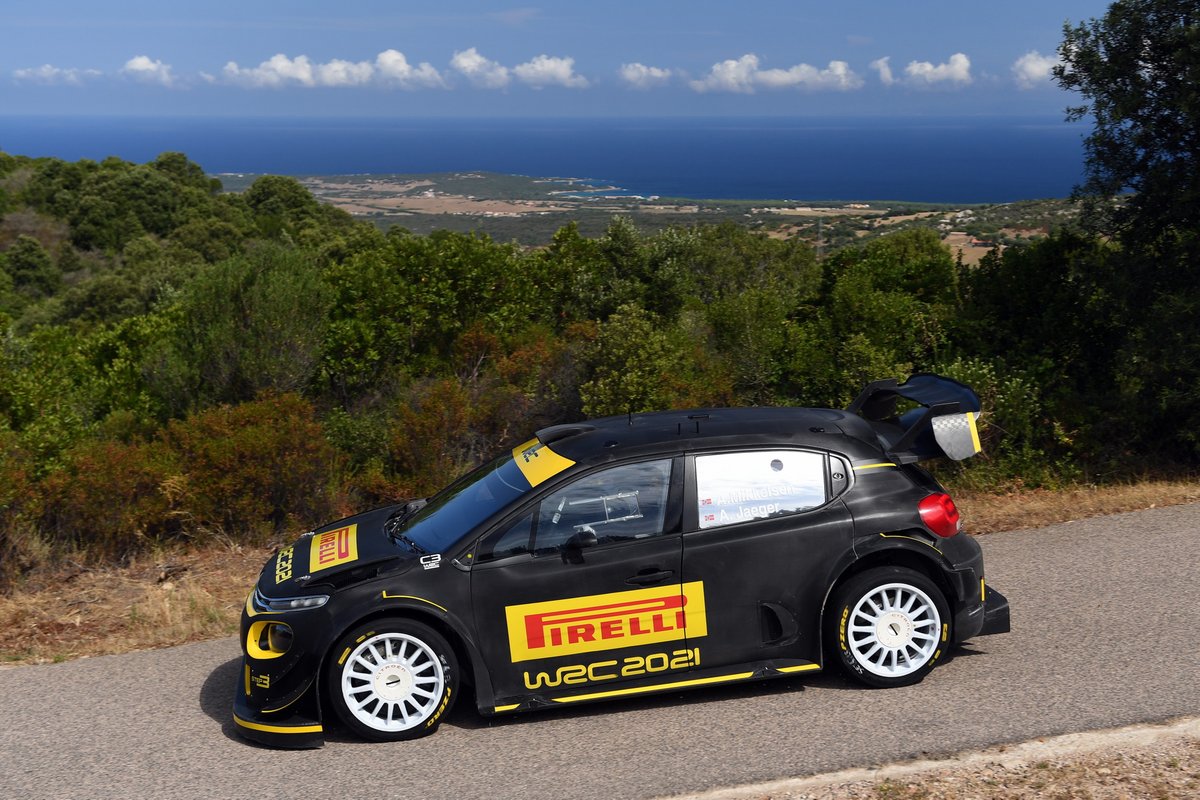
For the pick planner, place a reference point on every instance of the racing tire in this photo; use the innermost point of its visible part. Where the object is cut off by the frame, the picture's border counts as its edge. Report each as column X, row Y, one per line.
column 888, row 626
column 392, row 679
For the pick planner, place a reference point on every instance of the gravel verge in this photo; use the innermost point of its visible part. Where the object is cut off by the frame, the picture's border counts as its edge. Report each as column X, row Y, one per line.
column 1139, row 761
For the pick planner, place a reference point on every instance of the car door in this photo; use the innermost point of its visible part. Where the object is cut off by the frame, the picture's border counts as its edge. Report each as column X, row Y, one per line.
column 763, row 537
column 581, row 590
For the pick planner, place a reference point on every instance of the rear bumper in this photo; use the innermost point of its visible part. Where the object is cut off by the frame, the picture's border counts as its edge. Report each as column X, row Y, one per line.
column 995, row 613
column 982, row 619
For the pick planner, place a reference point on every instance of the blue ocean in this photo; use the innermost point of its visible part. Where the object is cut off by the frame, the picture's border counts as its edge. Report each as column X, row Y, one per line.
column 950, row 160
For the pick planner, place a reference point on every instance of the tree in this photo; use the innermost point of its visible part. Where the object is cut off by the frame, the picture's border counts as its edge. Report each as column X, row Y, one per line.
column 33, row 273
column 1138, row 70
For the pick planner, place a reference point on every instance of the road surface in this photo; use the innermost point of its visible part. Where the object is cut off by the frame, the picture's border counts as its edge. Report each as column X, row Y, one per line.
column 1104, row 634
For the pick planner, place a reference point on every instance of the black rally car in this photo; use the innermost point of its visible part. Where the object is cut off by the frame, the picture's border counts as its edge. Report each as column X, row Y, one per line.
column 630, row 555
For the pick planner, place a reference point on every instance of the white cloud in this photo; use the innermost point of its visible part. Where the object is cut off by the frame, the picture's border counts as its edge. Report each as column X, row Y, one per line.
column 640, row 76
column 884, row 69
column 483, row 73
column 148, row 70
column 50, row 75
column 544, row 70
column 337, row 72
column 837, row 75
column 924, row 73
column 744, row 76
column 390, row 68
column 275, row 72
column 393, row 68
column 1033, row 69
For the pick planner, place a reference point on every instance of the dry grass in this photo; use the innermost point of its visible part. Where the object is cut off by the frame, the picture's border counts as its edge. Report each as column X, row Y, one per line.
column 178, row 596
column 166, row 599
column 988, row 513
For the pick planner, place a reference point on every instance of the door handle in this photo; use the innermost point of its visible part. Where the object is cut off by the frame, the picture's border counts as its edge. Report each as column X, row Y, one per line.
column 649, row 577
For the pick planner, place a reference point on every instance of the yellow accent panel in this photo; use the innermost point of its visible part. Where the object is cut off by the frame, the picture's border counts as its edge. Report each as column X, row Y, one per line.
column 387, row 596
column 499, row 709
column 800, row 668
column 256, row 726
column 538, row 462
column 254, row 634
column 880, row 465
column 741, row 676
column 332, row 548
column 974, row 432
column 606, row 621
column 982, row 589
column 247, row 680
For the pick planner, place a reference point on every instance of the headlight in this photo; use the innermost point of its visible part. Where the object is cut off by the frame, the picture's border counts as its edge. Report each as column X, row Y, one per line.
column 289, row 603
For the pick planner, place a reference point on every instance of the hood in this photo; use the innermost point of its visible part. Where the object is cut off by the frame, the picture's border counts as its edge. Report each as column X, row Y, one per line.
column 350, row 549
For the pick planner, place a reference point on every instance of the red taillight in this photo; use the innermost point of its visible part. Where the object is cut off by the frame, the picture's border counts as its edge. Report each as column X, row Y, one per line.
column 939, row 514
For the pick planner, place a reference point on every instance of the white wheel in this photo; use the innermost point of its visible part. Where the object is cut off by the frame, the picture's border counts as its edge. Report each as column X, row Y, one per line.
column 894, row 630
column 392, row 680
column 888, row 626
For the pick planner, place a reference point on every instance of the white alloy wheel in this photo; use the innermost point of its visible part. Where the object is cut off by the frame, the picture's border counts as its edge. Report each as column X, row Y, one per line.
column 392, row 682
column 894, row 630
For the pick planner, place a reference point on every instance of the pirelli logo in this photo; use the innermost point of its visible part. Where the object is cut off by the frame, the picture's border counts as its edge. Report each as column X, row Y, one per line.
column 606, row 621
column 333, row 547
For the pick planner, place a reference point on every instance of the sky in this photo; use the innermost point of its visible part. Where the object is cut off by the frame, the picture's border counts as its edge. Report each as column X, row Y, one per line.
column 469, row 58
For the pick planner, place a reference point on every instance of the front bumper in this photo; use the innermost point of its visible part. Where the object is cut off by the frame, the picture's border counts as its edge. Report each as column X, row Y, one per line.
column 296, row 726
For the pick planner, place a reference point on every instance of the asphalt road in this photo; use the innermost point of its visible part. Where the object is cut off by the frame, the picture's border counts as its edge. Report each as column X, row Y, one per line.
column 1105, row 618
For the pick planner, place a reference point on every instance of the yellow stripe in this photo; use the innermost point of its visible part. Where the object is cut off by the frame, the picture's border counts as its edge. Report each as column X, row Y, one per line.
column 538, row 463
column 974, row 432
column 982, row 589
column 741, row 676
column 801, row 668
column 498, row 709
column 254, row 726
column 911, row 538
column 387, row 596
column 860, row 467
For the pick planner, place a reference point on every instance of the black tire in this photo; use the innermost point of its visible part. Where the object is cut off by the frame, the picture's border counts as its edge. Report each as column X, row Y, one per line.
column 888, row 626
column 392, row 679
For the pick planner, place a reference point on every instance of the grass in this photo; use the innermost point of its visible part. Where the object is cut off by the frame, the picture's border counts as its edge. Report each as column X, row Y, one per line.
column 186, row 595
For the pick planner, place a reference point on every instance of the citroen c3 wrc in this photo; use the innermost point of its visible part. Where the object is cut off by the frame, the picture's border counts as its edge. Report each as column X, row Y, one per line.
column 624, row 556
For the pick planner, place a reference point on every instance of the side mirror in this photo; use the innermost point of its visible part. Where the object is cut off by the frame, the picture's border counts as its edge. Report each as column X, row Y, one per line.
column 573, row 547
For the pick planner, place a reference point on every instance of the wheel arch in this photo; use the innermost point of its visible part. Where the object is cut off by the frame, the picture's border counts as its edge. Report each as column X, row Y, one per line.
column 470, row 662
column 899, row 549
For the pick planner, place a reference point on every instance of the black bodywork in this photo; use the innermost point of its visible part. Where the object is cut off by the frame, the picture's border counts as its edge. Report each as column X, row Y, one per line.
column 756, row 589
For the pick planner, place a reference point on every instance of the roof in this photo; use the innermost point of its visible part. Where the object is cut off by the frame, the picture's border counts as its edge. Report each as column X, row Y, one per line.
column 609, row 438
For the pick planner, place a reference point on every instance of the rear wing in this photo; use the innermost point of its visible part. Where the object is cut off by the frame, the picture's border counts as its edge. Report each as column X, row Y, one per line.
column 943, row 425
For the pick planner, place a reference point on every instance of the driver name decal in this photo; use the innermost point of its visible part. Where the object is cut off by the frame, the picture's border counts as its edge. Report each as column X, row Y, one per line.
column 606, row 621
column 333, row 547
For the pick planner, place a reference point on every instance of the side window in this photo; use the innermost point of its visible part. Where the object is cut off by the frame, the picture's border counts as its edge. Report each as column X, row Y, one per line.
column 625, row 502
column 510, row 541
column 737, row 487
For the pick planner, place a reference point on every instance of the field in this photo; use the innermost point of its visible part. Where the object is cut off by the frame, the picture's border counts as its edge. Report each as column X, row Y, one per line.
column 529, row 210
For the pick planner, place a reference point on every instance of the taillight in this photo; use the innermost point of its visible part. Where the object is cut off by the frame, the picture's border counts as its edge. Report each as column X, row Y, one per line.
column 939, row 514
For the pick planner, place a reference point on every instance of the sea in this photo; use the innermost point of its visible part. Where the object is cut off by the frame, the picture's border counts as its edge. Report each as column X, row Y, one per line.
column 919, row 159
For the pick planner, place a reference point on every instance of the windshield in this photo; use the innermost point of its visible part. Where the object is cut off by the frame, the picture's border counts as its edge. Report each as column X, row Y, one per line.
column 473, row 498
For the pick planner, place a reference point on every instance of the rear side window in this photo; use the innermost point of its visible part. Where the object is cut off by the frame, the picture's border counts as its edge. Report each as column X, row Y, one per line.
column 739, row 487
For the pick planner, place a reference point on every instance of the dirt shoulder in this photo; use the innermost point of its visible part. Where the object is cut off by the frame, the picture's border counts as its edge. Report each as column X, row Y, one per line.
column 177, row 596
column 1140, row 761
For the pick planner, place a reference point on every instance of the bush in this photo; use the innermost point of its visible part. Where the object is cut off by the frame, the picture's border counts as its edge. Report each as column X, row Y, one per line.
column 253, row 468
column 110, row 499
